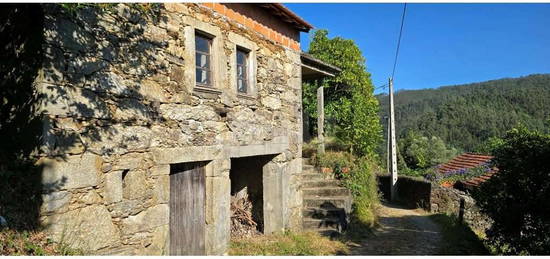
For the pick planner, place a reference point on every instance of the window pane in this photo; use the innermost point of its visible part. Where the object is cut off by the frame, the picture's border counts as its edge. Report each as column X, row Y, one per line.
column 202, row 44
column 202, row 77
column 241, row 85
column 202, row 60
column 241, row 57
column 240, row 71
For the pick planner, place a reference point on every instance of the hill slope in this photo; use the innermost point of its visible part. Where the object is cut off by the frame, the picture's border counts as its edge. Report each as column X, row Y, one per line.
column 466, row 115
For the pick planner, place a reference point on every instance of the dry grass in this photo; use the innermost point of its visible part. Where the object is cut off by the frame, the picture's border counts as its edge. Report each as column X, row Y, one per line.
column 307, row 243
column 30, row 243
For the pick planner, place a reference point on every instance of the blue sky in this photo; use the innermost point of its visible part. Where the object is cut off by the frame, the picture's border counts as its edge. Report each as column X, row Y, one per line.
column 442, row 44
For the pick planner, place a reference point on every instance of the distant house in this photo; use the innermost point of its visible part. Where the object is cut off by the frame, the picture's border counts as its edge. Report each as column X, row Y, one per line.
column 468, row 161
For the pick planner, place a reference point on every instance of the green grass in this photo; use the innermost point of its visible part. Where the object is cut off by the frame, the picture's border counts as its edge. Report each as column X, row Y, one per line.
column 458, row 238
column 288, row 243
column 31, row 243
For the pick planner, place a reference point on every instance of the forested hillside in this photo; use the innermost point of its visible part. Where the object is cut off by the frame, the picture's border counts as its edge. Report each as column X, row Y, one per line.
column 464, row 116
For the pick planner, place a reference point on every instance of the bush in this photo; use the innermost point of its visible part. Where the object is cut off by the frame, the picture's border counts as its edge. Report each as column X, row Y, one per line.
column 358, row 175
column 517, row 198
column 362, row 183
column 341, row 163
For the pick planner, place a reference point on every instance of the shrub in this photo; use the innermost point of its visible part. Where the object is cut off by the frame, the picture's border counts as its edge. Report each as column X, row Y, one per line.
column 358, row 175
column 517, row 198
column 341, row 163
column 362, row 183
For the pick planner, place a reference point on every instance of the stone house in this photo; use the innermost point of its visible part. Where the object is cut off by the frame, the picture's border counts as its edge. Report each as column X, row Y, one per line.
column 151, row 119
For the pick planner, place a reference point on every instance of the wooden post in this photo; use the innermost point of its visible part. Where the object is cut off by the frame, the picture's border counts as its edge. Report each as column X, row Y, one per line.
column 320, row 120
column 393, row 163
column 461, row 211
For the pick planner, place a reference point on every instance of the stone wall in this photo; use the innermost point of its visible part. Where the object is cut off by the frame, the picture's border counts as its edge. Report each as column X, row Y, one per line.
column 447, row 200
column 417, row 193
column 412, row 192
column 120, row 106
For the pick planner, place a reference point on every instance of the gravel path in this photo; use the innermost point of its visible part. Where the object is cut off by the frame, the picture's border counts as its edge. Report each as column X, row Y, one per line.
column 401, row 232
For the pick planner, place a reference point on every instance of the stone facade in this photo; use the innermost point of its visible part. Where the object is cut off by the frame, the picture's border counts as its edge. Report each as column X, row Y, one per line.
column 120, row 105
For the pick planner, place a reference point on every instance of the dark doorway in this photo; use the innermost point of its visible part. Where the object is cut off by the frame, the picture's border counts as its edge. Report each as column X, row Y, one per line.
column 247, row 197
column 187, row 209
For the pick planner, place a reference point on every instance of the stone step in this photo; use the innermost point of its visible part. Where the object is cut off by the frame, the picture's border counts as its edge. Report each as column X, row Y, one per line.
column 321, row 183
column 306, row 161
column 328, row 202
column 325, row 224
column 313, row 176
column 319, row 213
column 308, row 169
column 325, row 191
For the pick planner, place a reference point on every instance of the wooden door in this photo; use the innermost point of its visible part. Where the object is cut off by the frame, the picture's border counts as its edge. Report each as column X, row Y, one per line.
column 187, row 209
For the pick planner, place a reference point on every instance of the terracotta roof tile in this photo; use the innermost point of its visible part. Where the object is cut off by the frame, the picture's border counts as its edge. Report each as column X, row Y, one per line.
column 467, row 161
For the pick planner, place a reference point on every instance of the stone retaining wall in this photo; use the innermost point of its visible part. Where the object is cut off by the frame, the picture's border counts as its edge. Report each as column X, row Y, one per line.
column 417, row 193
column 447, row 200
column 119, row 106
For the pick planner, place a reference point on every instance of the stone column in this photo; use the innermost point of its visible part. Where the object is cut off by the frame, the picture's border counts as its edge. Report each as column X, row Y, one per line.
column 321, row 120
column 273, row 198
column 218, row 212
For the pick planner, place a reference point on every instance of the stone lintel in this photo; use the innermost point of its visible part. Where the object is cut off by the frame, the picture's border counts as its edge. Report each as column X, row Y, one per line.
column 187, row 154
column 163, row 156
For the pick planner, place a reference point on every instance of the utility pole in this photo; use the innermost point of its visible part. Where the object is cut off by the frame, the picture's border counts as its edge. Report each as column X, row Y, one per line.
column 393, row 163
column 388, row 159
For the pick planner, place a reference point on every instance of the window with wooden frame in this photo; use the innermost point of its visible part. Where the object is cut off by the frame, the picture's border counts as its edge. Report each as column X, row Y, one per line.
column 242, row 70
column 203, row 58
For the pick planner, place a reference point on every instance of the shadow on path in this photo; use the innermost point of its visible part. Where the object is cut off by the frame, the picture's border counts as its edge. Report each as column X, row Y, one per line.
column 401, row 232
column 405, row 231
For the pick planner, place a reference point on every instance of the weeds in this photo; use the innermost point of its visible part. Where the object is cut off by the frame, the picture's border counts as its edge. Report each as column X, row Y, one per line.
column 31, row 243
column 362, row 184
column 288, row 243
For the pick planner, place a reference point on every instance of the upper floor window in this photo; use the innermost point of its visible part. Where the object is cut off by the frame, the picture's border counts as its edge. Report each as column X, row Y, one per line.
column 242, row 70
column 203, row 69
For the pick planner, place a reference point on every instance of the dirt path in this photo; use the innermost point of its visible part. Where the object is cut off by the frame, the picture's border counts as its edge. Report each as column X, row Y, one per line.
column 402, row 232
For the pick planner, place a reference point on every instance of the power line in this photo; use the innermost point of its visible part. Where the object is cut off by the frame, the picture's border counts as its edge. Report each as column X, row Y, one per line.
column 399, row 39
column 380, row 87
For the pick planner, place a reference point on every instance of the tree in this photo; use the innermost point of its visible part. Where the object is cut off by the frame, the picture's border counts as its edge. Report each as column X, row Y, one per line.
column 420, row 152
column 350, row 106
column 517, row 198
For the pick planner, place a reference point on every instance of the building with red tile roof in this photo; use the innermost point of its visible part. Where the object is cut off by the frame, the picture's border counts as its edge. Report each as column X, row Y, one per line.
column 468, row 161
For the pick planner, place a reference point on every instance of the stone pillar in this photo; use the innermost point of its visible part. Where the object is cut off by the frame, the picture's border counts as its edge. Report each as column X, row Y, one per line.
column 273, row 198
column 218, row 211
column 321, row 120
column 293, row 199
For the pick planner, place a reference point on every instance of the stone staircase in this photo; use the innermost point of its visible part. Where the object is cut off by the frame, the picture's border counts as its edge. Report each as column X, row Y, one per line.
column 326, row 204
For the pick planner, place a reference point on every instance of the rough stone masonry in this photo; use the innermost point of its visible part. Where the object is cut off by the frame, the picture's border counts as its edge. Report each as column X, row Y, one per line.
column 120, row 105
